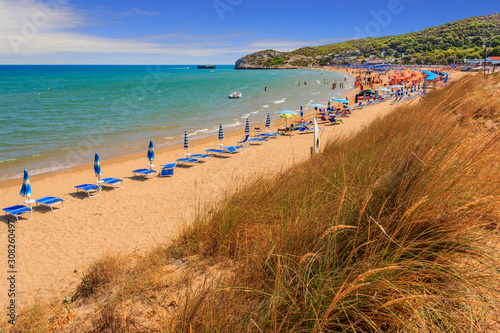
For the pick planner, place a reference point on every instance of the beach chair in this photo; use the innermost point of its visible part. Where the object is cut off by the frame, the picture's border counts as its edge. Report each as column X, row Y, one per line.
column 89, row 188
column 111, row 182
column 145, row 172
column 168, row 169
column 188, row 161
column 205, row 157
column 219, row 152
column 257, row 140
column 224, row 150
column 50, row 202
column 233, row 149
column 244, row 142
column 18, row 210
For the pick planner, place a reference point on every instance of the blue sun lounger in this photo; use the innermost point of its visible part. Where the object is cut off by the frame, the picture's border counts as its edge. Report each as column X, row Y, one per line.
column 18, row 210
column 144, row 172
column 257, row 140
column 219, row 152
column 168, row 169
column 89, row 188
column 50, row 202
column 188, row 161
column 112, row 182
column 205, row 157
column 233, row 149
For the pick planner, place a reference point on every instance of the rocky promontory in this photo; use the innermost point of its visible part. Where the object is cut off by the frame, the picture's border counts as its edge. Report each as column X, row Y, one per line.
column 271, row 59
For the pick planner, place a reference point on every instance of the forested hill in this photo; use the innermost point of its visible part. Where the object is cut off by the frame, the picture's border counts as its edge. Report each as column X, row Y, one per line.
column 437, row 45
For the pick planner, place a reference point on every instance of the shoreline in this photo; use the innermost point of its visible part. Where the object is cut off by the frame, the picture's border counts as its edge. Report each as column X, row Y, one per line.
column 110, row 147
column 145, row 213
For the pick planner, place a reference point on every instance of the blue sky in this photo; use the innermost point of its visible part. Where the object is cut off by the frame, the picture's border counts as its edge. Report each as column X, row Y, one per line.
column 203, row 32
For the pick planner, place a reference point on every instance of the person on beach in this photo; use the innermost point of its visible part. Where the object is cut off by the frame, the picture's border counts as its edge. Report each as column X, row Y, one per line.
column 265, row 88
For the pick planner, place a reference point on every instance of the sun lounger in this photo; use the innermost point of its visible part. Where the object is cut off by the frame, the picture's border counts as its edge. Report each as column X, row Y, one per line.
column 18, row 210
column 219, row 152
column 89, row 188
column 50, row 202
column 111, row 182
column 145, row 172
column 168, row 169
column 224, row 150
column 205, row 157
column 233, row 149
column 188, row 161
column 257, row 140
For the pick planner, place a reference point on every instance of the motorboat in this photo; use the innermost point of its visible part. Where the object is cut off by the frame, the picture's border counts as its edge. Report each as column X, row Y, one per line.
column 235, row 94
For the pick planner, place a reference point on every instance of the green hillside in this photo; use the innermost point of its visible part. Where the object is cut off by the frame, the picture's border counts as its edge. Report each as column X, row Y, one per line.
column 437, row 45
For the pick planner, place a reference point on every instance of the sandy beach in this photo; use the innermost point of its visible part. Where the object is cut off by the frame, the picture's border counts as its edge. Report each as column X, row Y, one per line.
column 51, row 246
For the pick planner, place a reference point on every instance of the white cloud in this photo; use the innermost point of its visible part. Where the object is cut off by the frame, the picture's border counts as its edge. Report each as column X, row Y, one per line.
column 138, row 12
column 35, row 30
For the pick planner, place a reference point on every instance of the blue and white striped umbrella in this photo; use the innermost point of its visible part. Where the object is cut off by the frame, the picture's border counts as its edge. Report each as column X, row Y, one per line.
column 186, row 142
column 26, row 188
column 151, row 152
column 247, row 127
column 268, row 120
column 97, row 166
column 221, row 134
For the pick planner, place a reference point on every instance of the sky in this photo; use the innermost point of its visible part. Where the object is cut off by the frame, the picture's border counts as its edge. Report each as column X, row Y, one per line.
column 204, row 31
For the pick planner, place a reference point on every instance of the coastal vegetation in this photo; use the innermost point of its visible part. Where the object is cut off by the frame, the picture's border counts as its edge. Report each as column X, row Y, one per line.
column 445, row 44
column 391, row 230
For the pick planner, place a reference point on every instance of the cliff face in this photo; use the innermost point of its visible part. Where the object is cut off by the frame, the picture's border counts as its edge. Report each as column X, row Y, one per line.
column 270, row 59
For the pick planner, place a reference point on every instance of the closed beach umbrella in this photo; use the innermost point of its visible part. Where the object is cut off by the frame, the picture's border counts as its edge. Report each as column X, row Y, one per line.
column 356, row 99
column 247, row 127
column 221, row 134
column 268, row 120
column 97, row 166
column 26, row 188
column 151, row 152
column 316, row 136
column 328, row 103
column 186, row 142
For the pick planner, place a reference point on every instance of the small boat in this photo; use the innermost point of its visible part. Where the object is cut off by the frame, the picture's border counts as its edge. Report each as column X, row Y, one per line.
column 235, row 94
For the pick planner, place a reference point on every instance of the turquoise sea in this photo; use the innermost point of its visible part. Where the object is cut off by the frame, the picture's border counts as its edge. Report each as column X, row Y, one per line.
column 55, row 117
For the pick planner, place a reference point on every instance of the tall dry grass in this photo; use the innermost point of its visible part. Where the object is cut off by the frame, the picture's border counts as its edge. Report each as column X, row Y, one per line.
column 386, row 231
column 393, row 230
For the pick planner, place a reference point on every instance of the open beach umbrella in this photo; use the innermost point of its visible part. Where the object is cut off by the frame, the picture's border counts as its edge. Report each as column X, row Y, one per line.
column 26, row 188
column 318, row 106
column 286, row 116
column 396, row 86
column 186, row 143
column 151, row 153
column 97, row 166
column 221, row 134
column 247, row 127
column 383, row 89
